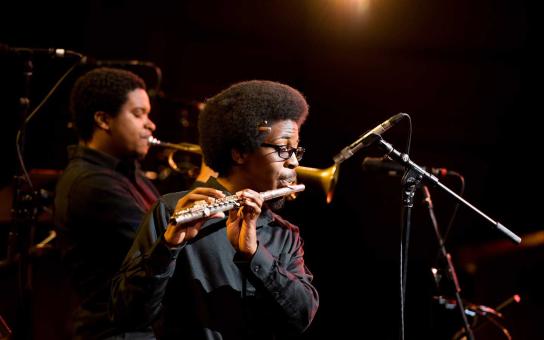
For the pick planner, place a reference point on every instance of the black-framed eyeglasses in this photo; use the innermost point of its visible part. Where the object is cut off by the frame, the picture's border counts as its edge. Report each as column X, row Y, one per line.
column 286, row 152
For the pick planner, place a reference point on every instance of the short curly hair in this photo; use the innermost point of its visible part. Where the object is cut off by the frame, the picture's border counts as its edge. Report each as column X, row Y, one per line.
column 230, row 120
column 102, row 89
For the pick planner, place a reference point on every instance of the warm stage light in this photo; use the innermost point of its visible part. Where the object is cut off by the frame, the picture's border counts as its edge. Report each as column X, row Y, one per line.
column 358, row 6
column 350, row 8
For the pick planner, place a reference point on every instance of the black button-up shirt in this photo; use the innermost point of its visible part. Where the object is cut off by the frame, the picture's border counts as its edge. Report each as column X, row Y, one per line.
column 202, row 290
column 99, row 203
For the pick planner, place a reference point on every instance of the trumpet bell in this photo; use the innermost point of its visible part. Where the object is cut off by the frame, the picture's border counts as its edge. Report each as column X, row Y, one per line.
column 325, row 178
column 184, row 163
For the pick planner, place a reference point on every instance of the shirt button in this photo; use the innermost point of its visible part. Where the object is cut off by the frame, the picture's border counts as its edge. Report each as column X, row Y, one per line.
column 257, row 268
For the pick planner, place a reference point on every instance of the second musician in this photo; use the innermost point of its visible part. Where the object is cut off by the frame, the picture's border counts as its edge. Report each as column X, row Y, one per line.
column 240, row 277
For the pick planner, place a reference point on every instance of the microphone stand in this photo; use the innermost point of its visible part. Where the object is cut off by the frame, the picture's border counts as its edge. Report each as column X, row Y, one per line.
column 24, row 222
column 410, row 182
column 25, row 204
column 414, row 175
column 451, row 270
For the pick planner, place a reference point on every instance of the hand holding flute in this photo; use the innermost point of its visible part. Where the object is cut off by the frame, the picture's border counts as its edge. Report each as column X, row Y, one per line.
column 204, row 203
column 242, row 223
column 177, row 233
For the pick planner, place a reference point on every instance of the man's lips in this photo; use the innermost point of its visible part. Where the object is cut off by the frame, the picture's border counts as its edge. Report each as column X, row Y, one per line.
column 285, row 182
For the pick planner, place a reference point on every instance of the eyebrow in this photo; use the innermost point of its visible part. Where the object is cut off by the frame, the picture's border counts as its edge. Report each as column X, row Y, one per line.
column 141, row 109
column 283, row 137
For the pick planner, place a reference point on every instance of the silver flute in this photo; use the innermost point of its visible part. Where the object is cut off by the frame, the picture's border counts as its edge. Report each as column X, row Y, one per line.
column 202, row 210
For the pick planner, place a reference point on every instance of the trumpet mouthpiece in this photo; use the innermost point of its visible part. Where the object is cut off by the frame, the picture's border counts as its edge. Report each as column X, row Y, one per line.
column 153, row 141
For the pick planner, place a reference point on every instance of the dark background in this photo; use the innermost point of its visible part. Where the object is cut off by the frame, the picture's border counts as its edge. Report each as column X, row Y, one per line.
column 469, row 73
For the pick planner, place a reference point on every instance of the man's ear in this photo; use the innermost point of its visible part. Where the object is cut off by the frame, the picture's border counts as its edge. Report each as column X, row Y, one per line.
column 238, row 157
column 102, row 120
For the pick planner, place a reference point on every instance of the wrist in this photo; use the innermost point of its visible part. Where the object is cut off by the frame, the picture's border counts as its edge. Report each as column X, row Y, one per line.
column 248, row 252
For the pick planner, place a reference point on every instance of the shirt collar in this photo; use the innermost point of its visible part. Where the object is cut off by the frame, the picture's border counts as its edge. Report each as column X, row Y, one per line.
column 127, row 168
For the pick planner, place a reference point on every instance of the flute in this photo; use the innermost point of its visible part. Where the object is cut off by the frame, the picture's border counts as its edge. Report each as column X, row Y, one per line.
column 202, row 210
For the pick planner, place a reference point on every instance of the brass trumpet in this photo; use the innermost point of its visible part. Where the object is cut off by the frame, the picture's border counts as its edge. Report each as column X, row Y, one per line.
column 325, row 178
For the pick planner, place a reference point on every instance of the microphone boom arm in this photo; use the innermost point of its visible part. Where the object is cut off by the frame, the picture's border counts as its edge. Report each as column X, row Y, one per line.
column 404, row 159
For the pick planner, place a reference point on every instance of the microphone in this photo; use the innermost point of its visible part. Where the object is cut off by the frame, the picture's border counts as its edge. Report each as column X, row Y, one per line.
column 368, row 138
column 392, row 168
column 49, row 52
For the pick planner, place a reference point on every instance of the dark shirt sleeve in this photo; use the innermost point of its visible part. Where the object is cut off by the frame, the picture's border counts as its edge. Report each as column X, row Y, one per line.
column 139, row 286
column 288, row 281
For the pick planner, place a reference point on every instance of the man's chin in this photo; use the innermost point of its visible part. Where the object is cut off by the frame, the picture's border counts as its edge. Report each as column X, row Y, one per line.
column 140, row 154
column 276, row 203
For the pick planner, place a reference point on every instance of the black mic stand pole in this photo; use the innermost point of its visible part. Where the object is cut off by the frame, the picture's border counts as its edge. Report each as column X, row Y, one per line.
column 410, row 183
column 451, row 269
column 24, row 218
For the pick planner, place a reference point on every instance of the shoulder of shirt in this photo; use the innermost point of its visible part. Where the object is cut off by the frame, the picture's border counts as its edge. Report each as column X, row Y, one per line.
column 172, row 198
column 79, row 172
